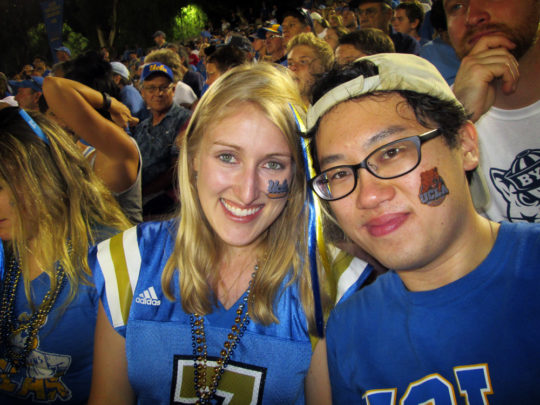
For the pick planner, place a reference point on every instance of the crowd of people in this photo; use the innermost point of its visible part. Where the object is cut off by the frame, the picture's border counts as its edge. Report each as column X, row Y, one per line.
column 330, row 204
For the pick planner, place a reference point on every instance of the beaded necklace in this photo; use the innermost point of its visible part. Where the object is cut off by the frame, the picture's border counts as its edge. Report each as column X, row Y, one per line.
column 205, row 393
column 17, row 356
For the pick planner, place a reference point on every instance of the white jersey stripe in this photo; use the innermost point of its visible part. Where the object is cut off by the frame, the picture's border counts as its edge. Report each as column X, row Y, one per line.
column 132, row 256
column 111, row 285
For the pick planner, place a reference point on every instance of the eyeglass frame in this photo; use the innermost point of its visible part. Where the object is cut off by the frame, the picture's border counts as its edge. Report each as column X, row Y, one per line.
column 158, row 89
column 418, row 140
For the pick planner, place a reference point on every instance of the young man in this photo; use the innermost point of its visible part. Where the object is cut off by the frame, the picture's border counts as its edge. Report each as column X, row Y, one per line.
column 498, row 84
column 364, row 42
column 451, row 321
column 378, row 14
column 408, row 18
column 308, row 57
column 295, row 21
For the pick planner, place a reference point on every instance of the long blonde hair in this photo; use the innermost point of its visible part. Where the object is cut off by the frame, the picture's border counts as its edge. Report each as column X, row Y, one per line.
column 58, row 200
column 196, row 251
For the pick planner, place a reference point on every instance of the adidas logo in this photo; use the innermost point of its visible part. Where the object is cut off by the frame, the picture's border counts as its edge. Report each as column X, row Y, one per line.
column 148, row 297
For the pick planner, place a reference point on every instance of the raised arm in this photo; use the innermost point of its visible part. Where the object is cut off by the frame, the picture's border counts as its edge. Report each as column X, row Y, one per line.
column 117, row 157
column 110, row 384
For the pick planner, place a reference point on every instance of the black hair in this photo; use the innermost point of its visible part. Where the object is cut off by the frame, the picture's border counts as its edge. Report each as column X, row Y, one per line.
column 414, row 11
column 438, row 17
column 226, row 57
column 428, row 110
column 91, row 70
column 369, row 40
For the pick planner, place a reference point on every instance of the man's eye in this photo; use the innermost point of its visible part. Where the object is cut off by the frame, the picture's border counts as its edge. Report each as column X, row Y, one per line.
column 340, row 174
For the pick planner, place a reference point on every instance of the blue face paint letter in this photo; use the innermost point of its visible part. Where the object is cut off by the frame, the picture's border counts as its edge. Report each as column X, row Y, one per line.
column 276, row 190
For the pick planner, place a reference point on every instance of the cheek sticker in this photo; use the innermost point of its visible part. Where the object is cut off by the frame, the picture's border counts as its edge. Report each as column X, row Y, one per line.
column 433, row 191
column 276, row 190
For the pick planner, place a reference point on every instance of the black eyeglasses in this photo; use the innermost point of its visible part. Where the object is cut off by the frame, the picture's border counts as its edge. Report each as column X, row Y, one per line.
column 389, row 161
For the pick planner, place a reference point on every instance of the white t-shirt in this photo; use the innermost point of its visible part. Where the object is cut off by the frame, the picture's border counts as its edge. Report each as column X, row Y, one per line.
column 510, row 162
column 184, row 94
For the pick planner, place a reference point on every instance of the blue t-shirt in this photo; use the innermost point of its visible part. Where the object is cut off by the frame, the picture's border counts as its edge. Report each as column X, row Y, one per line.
column 472, row 341
column 59, row 369
column 268, row 366
column 443, row 57
column 133, row 100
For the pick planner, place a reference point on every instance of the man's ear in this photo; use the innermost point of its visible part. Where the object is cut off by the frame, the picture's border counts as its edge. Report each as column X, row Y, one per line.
column 469, row 146
column 416, row 24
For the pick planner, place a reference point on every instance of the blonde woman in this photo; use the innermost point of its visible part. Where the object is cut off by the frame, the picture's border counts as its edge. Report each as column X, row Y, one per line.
column 52, row 207
column 216, row 303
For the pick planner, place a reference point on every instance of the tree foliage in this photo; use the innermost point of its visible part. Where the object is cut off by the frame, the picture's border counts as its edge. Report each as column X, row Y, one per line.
column 189, row 23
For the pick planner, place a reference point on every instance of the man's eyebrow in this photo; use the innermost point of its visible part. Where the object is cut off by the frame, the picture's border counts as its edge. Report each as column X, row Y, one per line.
column 381, row 135
column 374, row 139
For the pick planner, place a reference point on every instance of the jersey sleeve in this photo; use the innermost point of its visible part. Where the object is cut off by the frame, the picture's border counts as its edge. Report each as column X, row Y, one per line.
column 115, row 264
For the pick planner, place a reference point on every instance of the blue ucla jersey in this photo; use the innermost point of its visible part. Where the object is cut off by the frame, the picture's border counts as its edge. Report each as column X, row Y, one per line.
column 473, row 341
column 268, row 366
column 59, row 369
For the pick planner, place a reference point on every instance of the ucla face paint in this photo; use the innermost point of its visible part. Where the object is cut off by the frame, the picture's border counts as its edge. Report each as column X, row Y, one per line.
column 433, row 191
column 276, row 190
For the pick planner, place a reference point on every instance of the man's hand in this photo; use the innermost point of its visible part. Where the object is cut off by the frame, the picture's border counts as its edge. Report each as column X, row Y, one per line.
column 487, row 65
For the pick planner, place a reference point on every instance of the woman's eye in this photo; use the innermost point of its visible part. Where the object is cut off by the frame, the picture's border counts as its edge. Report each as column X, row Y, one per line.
column 274, row 165
column 227, row 158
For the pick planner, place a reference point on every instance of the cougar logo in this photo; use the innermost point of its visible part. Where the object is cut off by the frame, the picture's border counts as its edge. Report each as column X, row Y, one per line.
column 520, row 186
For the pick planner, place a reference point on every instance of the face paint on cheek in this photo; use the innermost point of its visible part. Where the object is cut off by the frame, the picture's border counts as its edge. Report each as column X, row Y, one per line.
column 433, row 191
column 276, row 190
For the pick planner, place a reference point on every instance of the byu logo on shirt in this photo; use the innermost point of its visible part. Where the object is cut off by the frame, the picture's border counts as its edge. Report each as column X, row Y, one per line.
column 148, row 297
column 520, row 186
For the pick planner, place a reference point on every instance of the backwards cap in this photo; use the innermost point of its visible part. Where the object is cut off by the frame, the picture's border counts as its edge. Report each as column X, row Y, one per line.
column 397, row 71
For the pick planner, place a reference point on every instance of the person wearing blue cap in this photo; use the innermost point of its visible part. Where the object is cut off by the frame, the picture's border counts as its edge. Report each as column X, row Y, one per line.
column 28, row 92
column 63, row 53
column 156, row 137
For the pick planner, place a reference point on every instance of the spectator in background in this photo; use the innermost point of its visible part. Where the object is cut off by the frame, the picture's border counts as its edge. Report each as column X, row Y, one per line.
column 129, row 95
column 378, row 14
column 408, row 18
column 350, row 20
column 183, row 94
column 157, row 136
column 308, row 57
column 333, row 35
column 439, row 51
column 28, row 92
column 275, row 49
column 113, row 154
column 319, row 25
column 294, row 22
column 364, row 42
column 192, row 77
column 258, row 39
column 40, row 67
column 498, row 84
column 224, row 58
column 63, row 53
column 160, row 39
